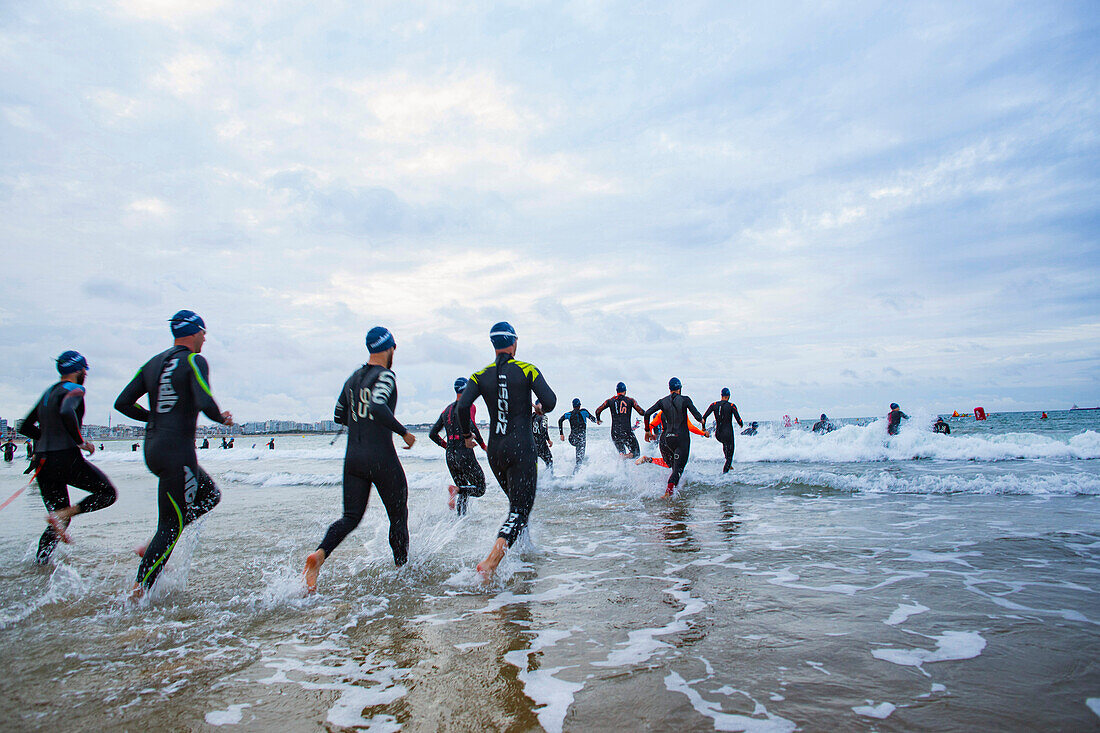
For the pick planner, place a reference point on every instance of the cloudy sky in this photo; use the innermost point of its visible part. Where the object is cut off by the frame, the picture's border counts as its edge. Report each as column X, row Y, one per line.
column 825, row 206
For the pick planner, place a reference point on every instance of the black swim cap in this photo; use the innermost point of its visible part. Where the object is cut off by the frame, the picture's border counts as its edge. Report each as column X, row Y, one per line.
column 620, row 387
column 71, row 362
column 674, row 384
column 894, row 406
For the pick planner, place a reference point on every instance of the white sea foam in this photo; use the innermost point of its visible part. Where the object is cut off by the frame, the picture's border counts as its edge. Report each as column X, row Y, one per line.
column 1094, row 704
column 232, row 716
column 950, row 646
column 904, row 611
column 552, row 695
column 882, row 711
column 729, row 721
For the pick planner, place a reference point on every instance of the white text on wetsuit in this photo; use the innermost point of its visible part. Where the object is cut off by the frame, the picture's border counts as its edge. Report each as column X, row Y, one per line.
column 166, row 396
column 502, row 403
column 383, row 388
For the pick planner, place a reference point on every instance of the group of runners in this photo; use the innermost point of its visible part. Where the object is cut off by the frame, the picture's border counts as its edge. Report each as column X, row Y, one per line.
column 176, row 384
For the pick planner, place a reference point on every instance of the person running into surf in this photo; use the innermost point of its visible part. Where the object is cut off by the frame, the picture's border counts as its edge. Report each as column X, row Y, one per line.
column 55, row 423
column 622, row 433
column 469, row 479
column 725, row 412
column 540, row 427
column 894, row 418
column 675, row 438
column 665, row 459
column 366, row 406
column 507, row 386
column 578, row 429
column 177, row 382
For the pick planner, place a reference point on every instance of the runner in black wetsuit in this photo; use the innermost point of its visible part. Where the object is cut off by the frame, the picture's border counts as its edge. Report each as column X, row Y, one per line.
column 540, row 427
column 893, row 419
column 177, row 382
column 578, row 429
column 622, row 433
column 55, row 424
column 675, row 438
column 366, row 406
column 725, row 412
column 9, row 451
column 469, row 479
column 506, row 385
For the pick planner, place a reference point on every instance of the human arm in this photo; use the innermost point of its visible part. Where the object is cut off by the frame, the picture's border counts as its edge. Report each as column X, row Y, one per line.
column 543, row 394
column 637, row 407
column 465, row 402
column 647, row 413
column 70, row 417
column 603, row 406
column 707, row 414
column 697, row 431
column 340, row 413
column 433, row 434
column 29, row 426
column 561, row 420
column 477, row 435
column 737, row 416
column 126, row 403
column 692, row 409
column 590, row 417
column 385, row 386
column 200, row 387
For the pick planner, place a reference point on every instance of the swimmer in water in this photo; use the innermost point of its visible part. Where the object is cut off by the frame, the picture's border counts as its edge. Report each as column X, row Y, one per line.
column 676, row 438
column 56, row 423
column 578, row 429
column 366, row 406
column 507, row 386
column 751, row 429
column 469, row 479
column 894, row 418
column 177, row 382
column 823, row 425
column 725, row 412
column 622, row 434
column 941, row 426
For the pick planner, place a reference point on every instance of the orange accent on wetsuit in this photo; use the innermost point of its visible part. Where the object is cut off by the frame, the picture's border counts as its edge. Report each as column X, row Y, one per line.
column 691, row 426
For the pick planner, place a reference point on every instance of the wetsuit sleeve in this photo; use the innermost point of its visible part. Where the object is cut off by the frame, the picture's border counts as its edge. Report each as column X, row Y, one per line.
column 589, row 416
column 477, row 433
column 29, row 427
column 606, row 405
column 561, row 421
column 200, row 387
column 692, row 409
column 128, row 397
column 340, row 413
column 905, row 416
column 647, row 413
column 381, row 412
column 707, row 414
column 433, row 434
column 737, row 416
column 69, row 417
column 543, row 393
column 465, row 402
column 638, row 407
column 697, row 431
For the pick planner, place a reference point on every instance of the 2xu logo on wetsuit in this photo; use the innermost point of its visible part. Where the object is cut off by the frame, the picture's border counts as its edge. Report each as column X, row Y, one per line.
column 502, row 403
column 166, row 395
column 379, row 395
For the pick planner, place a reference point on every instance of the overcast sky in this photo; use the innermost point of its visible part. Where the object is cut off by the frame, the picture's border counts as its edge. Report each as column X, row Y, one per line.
column 824, row 206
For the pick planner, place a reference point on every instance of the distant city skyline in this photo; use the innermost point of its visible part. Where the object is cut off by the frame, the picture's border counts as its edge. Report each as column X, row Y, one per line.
column 825, row 208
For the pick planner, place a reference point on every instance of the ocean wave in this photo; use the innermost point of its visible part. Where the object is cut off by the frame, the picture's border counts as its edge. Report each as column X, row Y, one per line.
column 884, row 482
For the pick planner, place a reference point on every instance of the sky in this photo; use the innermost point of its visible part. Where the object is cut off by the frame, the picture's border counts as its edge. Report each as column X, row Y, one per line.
column 823, row 206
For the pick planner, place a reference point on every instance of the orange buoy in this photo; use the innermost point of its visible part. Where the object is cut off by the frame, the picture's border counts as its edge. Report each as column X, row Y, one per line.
column 979, row 413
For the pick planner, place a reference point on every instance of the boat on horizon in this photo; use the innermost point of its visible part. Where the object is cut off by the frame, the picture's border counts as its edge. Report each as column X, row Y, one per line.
column 1075, row 407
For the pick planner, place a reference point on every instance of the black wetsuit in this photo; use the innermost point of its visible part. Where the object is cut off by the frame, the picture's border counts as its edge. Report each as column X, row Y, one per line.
column 366, row 406
column 540, row 427
column 55, row 425
column 893, row 421
column 9, row 452
column 506, row 386
column 675, row 438
column 578, row 431
column 461, row 461
column 725, row 412
column 749, row 431
column 823, row 427
column 941, row 427
column 178, row 385
column 622, row 431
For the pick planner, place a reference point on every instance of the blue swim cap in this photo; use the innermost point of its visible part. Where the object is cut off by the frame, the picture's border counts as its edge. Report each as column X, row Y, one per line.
column 620, row 388
column 71, row 362
column 502, row 335
column 379, row 339
column 725, row 391
column 186, row 323
column 460, row 384
column 894, row 406
column 673, row 384
column 576, row 403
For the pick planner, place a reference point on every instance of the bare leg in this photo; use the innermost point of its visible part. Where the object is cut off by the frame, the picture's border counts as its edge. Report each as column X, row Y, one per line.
column 452, row 490
column 313, row 569
column 488, row 566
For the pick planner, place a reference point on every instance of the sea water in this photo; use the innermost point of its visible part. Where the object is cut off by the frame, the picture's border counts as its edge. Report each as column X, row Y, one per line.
column 841, row 582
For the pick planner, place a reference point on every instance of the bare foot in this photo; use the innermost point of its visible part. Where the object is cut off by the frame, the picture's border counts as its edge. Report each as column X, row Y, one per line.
column 140, row 549
column 313, row 569
column 643, row 459
column 487, row 567
column 669, row 490
column 136, row 593
column 59, row 524
column 452, row 490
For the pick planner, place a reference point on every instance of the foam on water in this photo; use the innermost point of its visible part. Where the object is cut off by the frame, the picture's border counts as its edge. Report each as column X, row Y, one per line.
column 729, row 721
column 950, row 646
column 552, row 695
column 882, row 711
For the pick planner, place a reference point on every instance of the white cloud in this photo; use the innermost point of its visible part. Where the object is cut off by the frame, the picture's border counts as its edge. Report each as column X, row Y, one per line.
column 150, row 206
